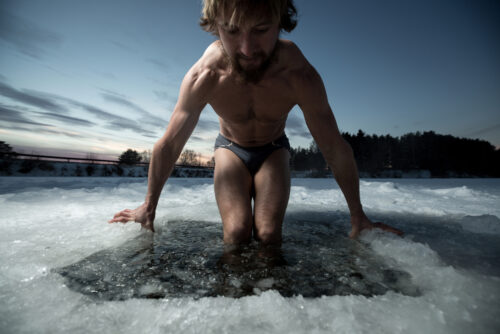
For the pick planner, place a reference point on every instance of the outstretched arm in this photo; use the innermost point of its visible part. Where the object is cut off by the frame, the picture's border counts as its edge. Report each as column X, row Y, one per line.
column 192, row 99
column 337, row 152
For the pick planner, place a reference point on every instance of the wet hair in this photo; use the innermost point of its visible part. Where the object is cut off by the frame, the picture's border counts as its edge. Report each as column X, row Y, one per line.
column 234, row 12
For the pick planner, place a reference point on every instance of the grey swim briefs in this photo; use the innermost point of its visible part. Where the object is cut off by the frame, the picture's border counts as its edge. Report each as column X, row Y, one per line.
column 252, row 157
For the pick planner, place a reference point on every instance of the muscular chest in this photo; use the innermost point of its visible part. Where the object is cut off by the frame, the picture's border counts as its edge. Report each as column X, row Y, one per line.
column 269, row 101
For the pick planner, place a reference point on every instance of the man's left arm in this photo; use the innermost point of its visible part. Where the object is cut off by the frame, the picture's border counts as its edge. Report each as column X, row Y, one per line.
column 320, row 120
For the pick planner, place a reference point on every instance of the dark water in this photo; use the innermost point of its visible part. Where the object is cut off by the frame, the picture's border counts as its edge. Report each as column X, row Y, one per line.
column 188, row 259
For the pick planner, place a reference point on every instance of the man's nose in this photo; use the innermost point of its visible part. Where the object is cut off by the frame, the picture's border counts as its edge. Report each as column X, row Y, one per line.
column 247, row 45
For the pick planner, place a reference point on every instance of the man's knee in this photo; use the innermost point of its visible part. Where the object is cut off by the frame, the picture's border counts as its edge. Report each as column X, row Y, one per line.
column 237, row 233
column 269, row 234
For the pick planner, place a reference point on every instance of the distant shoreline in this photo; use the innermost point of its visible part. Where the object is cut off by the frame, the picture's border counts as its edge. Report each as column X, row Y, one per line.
column 44, row 168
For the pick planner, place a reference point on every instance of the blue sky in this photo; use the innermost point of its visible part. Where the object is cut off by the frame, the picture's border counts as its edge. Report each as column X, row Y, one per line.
column 99, row 77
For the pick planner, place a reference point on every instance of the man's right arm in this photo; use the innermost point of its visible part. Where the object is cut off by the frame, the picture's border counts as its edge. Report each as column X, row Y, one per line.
column 193, row 96
column 312, row 99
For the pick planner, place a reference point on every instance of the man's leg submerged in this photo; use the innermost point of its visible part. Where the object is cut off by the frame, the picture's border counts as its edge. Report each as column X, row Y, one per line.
column 233, row 186
column 272, row 191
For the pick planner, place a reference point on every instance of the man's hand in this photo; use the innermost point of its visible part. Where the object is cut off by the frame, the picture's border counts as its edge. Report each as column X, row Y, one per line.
column 139, row 215
column 363, row 223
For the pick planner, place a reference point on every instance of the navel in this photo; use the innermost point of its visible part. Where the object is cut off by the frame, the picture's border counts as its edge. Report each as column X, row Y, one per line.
column 251, row 113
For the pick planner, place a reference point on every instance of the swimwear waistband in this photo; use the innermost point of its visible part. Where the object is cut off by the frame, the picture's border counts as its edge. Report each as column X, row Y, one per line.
column 280, row 142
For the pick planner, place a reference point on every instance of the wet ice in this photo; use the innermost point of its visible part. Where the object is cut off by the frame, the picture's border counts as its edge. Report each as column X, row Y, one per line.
column 188, row 259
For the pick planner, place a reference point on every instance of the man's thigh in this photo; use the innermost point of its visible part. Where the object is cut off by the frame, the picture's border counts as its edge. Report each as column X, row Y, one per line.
column 272, row 190
column 233, row 186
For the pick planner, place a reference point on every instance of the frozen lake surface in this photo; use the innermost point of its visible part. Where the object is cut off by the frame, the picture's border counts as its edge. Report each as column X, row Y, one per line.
column 64, row 269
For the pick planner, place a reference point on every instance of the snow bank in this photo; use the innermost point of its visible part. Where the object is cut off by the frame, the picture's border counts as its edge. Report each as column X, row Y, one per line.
column 49, row 223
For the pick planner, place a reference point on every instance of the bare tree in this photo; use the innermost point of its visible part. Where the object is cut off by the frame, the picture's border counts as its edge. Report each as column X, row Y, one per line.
column 91, row 157
column 146, row 156
column 189, row 158
column 211, row 162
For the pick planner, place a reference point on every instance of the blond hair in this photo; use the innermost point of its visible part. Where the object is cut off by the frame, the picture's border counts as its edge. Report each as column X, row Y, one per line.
column 235, row 11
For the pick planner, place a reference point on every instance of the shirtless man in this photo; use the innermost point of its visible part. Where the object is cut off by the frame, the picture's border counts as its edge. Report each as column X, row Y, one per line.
column 252, row 79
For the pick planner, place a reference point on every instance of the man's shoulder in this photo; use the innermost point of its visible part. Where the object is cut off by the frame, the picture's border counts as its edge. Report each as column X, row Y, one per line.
column 292, row 56
column 212, row 59
column 206, row 71
column 299, row 70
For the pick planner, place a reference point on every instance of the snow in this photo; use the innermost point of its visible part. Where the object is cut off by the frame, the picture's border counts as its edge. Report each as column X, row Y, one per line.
column 448, row 260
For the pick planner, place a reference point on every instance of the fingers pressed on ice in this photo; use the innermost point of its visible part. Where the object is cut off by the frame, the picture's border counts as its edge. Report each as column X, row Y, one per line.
column 387, row 228
column 127, row 217
column 122, row 218
column 124, row 212
column 118, row 214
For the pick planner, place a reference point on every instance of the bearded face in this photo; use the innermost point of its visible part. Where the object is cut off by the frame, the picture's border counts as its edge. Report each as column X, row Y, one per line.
column 251, row 69
column 251, row 47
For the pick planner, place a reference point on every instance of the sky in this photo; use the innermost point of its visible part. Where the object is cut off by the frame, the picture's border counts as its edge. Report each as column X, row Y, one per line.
column 101, row 76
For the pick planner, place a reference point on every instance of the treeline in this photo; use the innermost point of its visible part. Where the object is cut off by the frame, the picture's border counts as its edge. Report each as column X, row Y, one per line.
column 441, row 155
column 376, row 156
column 187, row 158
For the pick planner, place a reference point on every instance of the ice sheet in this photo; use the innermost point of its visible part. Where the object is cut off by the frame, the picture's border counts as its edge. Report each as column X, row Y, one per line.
column 451, row 252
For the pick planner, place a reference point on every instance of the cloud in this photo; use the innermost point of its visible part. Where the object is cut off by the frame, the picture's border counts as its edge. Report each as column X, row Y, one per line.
column 122, row 46
column 152, row 136
column 16, row 128
column 25, row 36
column 483, row 131
column 17, row 118
column 58, row 131
column 107, row 75
column 146, row 117
column 14, row 116
column 53, row 106
column 121, row 100
column 158, row 63
column 207, row 125
column 67, row 119
column 123, row 123
column 115, row 121
column 29, row 97
column 296, row 125
column 197, row 139
column 165, row 96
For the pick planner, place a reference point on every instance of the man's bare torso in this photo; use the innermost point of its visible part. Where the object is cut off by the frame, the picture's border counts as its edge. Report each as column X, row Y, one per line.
column 253, row 114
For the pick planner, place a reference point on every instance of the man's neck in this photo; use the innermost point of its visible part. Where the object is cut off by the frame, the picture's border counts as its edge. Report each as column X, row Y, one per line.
column 255, row 76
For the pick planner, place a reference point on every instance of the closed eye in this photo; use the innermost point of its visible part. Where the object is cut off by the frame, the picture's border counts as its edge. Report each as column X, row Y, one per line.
column 261, row 31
